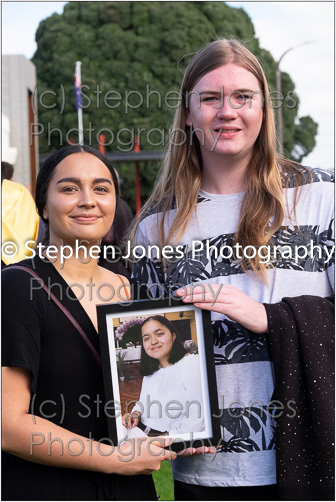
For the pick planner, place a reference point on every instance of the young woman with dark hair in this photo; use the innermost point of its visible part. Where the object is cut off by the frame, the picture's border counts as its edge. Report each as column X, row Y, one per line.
column 54, row 429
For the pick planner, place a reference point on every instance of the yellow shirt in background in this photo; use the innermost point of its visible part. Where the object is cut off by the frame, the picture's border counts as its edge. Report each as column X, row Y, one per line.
column 19, row 222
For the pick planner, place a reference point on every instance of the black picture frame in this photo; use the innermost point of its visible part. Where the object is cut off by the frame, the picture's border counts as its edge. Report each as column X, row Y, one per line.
column 115, row 318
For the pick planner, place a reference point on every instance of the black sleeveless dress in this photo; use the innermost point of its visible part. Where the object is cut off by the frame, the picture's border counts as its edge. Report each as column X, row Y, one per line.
column 66, row 384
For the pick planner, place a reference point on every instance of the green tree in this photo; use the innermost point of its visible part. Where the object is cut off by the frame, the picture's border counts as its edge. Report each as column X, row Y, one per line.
column 133, row 55
column 305, row 132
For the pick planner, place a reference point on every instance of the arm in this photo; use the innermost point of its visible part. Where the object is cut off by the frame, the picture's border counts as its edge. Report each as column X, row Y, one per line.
column 301, row 335
column 307, row 321
column 131, row 420
column 39, row 440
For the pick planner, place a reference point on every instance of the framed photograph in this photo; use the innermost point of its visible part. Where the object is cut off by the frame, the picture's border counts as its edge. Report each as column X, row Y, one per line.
column 159, row 373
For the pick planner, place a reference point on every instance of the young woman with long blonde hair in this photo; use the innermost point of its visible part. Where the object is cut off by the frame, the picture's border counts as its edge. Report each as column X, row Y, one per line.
column 243, row 221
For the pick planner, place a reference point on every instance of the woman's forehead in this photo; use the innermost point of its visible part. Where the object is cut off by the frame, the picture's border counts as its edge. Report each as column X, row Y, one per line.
column 152, row 325
column 78, row 161
column 84, row 166
column 230, row 77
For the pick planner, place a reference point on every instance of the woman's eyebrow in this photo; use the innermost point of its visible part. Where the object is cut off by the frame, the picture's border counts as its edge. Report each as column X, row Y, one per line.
column 232, row 92
column 77, row 180
column 102, row 180
column 247, row 90
column 209, row 92
column 148, row 334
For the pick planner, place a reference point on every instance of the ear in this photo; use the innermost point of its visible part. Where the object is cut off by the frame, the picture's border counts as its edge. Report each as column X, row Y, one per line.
column 174, row 337
column 188, row 121
column 45, row 214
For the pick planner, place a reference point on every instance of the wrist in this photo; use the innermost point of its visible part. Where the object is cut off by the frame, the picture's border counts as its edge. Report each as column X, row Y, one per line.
column 107, row 454
column 262, row 326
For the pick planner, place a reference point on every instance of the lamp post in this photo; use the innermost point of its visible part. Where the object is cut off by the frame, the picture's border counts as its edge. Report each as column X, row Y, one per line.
column 278, row 88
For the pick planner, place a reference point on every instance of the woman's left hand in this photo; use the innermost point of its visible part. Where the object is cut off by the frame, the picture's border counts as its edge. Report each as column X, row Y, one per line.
column 131, row 420
column 201, row 450
column 228, row 300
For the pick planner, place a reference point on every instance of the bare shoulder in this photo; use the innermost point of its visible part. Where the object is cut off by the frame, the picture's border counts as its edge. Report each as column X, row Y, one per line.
column 119, row 283
column 111, row 277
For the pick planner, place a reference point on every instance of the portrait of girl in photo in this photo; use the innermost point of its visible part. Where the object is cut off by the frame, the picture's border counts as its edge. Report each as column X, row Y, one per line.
column 171, row 383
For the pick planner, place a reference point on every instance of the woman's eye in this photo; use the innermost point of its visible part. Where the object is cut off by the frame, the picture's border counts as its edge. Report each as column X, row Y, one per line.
column 239, row 96
column 145, row 339
column 209, row 99
column 69, row 189
column 101, row 189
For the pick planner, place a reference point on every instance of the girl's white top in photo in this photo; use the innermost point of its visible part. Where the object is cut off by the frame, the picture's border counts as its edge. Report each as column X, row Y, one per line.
column 171, row 398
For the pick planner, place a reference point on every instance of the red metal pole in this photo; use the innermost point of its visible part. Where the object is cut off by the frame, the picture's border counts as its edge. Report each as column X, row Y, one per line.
column 101, row 142
column 137, row 178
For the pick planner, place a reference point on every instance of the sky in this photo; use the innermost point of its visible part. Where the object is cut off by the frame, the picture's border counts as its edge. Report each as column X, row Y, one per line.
column 278, row 26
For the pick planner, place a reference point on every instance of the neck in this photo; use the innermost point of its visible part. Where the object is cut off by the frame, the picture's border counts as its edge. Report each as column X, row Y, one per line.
column 223, row 176
column 164, row 363
column 72, row 263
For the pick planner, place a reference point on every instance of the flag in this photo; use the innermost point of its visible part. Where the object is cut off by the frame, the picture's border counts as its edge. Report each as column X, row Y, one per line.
column 77, row 87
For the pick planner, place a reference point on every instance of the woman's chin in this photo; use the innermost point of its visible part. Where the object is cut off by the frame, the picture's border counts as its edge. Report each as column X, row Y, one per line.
column 84, row 239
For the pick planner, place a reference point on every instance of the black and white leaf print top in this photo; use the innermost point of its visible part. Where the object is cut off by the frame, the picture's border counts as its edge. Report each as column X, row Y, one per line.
column 302, row 264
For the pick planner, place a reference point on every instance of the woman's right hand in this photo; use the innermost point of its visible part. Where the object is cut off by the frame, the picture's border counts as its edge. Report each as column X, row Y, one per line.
column 36, row 439
column 131, row 420
column 141, row 456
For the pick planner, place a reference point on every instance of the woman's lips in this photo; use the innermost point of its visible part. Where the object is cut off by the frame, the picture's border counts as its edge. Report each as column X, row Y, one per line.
column 227, row 133
column 85, row 218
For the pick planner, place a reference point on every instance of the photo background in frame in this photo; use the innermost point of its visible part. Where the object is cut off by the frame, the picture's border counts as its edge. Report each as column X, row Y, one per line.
column 120, row 334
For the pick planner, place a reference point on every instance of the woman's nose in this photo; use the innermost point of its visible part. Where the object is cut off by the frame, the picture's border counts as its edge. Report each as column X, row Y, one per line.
column 86, row 198
column 227, row 110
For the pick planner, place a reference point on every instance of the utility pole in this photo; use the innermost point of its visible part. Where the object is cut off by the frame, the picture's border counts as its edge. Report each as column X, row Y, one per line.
column 279, row 88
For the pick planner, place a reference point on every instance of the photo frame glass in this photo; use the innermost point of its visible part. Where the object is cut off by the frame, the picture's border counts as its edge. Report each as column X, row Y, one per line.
column 158, row 371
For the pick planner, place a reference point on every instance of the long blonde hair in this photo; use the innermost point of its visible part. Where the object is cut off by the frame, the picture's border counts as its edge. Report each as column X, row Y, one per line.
column 179, row 180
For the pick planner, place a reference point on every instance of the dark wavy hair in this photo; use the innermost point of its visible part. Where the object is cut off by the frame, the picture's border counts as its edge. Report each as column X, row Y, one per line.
column 7, row 171
column 148, row 365
column 48, row 167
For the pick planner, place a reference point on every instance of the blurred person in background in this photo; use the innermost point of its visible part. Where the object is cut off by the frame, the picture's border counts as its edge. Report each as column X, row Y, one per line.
column 19, row 220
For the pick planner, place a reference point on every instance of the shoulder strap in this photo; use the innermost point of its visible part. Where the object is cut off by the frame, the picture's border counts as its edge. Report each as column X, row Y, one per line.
column 121, row 277
column 64, row 310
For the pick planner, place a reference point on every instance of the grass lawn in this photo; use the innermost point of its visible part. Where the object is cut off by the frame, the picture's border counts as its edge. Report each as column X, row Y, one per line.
column 163, row 480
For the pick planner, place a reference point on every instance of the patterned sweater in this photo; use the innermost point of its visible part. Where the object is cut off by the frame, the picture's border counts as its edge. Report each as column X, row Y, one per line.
column 302, row 264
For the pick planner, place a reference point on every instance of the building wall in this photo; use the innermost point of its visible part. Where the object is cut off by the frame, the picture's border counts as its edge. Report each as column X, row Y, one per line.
column 18, row 86
column 9, row 153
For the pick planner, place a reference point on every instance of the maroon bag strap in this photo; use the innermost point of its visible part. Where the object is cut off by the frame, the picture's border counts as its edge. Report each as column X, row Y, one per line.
column 64, row 310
